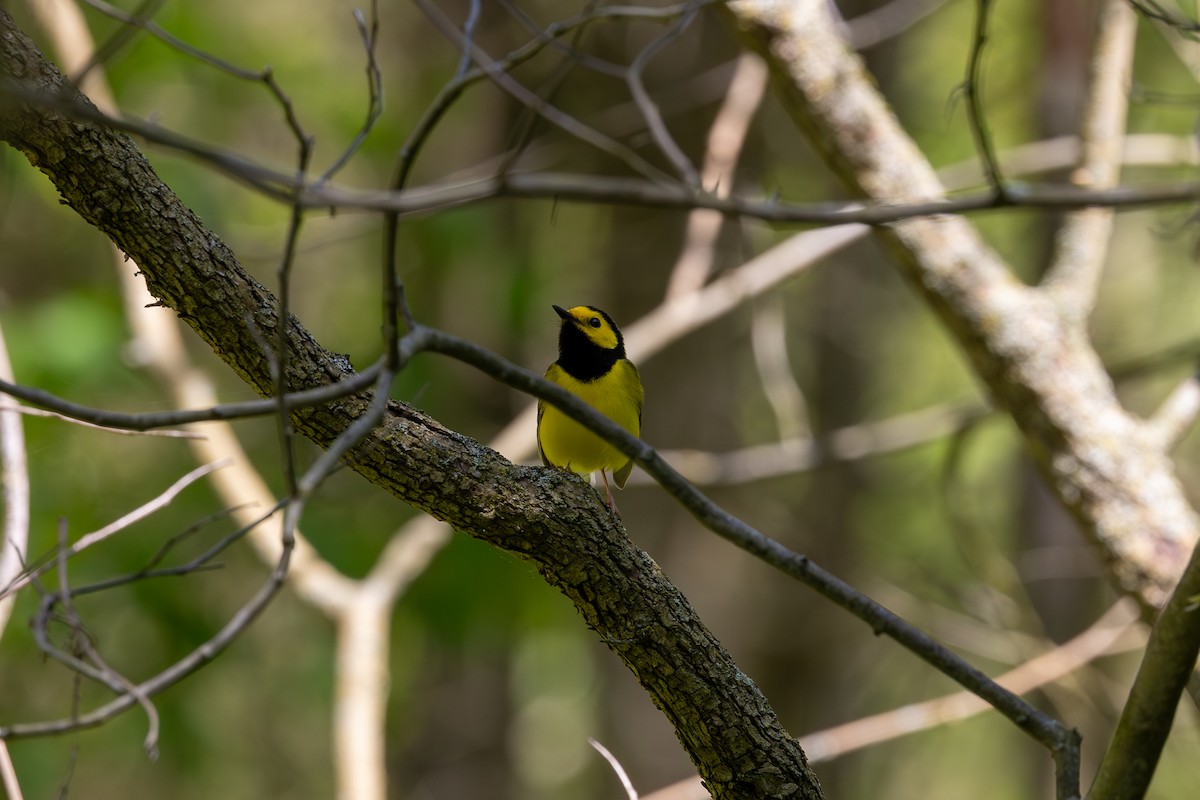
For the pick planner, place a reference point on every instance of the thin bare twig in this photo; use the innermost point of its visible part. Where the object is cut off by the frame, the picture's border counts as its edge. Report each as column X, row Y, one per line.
column 655, row 193
column 29, row 411
column 141, row 512
column 142, row 20
column 454, row 88
column 1151, row 9
column 154, row 29
column 146, row 421
column 118, row 40
column 972, row 88
column 369, row 33
column 170, row 676
column 86, row 647
column 635, row 80
column 621, row 774
column 497, row 73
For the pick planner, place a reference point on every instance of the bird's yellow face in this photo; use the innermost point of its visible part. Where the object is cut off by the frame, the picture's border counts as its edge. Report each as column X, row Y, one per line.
column 592, row 323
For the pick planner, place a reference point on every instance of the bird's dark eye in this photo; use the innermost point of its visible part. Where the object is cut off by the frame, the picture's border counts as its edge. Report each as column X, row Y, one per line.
column 594, row 322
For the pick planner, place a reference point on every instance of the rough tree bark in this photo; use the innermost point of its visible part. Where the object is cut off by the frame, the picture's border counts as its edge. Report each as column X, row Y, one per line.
column 542, row 516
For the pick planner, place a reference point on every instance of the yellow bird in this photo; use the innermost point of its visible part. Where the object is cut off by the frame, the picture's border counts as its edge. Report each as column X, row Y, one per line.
column 591, row 365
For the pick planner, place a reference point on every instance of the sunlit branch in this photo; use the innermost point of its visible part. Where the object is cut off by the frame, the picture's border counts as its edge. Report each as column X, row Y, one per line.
column 886, row 22
column 718, row 174
column 8, row 774
column 1082, row 241
column 768, row 342
column 800, row 454
column 1087, row 446
column 1176, row 416
column 14, row 492
column 1101, row 638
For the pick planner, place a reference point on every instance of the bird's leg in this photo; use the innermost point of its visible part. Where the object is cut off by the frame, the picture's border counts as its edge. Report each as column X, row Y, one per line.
column 612, row 501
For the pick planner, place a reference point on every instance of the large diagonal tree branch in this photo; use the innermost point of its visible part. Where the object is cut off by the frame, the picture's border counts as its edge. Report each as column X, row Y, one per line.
column 723, row 721
column 1030, row 348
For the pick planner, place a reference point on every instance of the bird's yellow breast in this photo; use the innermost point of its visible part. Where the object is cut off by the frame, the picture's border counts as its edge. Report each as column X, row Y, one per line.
column 617, row 395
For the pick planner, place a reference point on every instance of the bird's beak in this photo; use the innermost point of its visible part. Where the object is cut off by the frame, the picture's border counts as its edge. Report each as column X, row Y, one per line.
column 562, row 312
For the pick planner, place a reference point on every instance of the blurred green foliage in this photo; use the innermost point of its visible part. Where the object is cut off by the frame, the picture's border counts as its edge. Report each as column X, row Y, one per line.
column 496, row 684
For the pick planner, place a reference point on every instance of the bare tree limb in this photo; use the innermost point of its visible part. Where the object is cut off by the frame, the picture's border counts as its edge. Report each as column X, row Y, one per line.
column 1052, row 665
column 14, row 491
column 889, row 20
column 725, row 140
column 1082, row 241
column 1126, row 494
column 1096, row 456
column 802, row 453
column 8, row 774
column 1176, row 416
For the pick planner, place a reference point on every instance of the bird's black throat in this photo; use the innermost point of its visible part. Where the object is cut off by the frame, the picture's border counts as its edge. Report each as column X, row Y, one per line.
column 583, row 359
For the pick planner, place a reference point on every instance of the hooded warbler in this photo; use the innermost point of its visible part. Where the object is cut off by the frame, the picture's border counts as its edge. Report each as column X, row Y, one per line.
column 591, row 365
